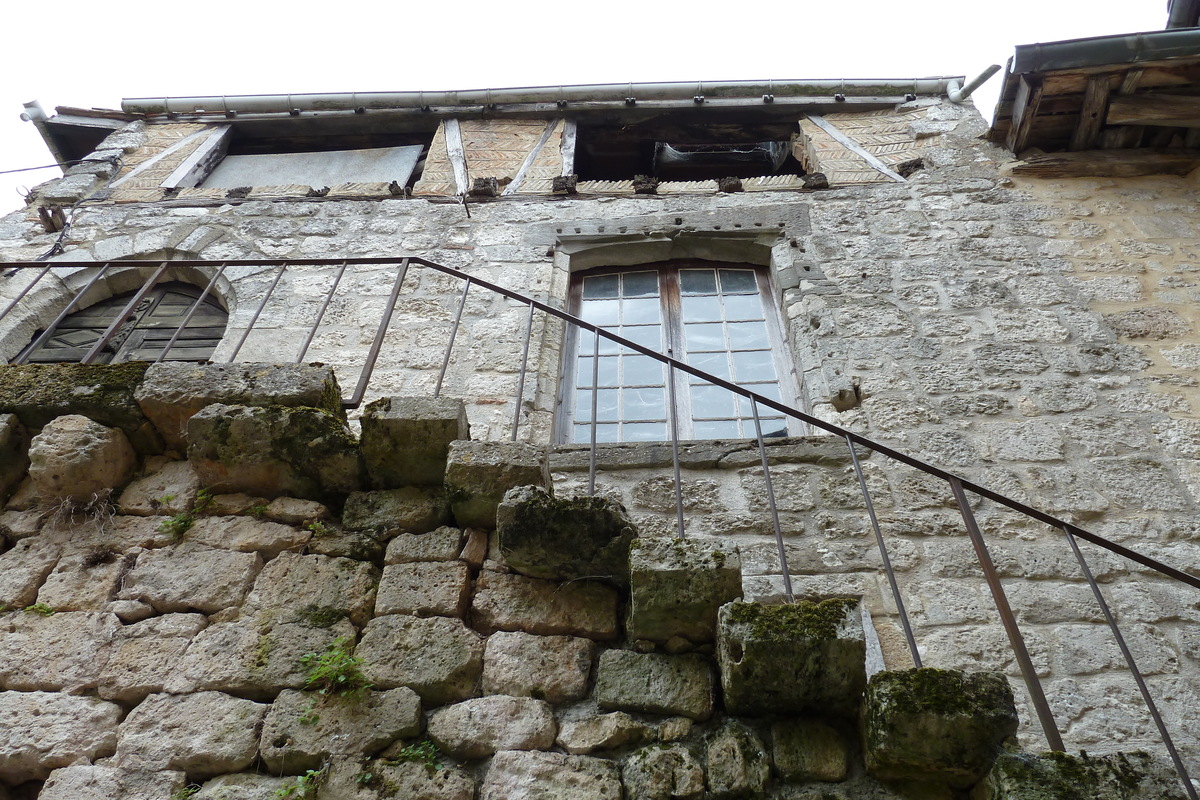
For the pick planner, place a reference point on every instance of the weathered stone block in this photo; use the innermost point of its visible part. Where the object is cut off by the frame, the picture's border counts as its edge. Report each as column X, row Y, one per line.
column 243, row 786
column 65, row 651
column 481, row 726
column 442, row 544
column 663, row 773
column 44, row 731
column 413, row 509
column 438, row 657
column 677, row 586
column 418, row 782
column 172, row 392
column 143, row 656
column 553, row 668
column 76, row 459
column 294, row 511
column 1061, row 776
column 738, row 766
column 203, row 734
column 301, row 730
column 936, row 725
column 247, row 535
column 405, row 439
column 84, row 581
column 170, row 490
column 346, row 544
column 273, row 451
column 792, row 658
column 809, row 750
column 655, row 683
column 441, row 588
column 479, row 473
column 16, row 525
column 532, row 775
column 516, row 603
column 14, row 453
column 332, row 585
column 581, row 729
column 191, row 577
column 544, row 537
column 23, row 568
column 86, row 782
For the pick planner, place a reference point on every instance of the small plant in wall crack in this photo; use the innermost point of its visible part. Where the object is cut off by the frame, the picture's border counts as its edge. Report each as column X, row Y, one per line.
column 422, row 752
column 40, row 608
column 337, row 672
column 186, row 792
column 305, row 785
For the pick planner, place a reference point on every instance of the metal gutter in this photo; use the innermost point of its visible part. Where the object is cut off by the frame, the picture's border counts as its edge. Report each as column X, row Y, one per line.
column 1183, row 13
column 758, row 91
column 1126, row 48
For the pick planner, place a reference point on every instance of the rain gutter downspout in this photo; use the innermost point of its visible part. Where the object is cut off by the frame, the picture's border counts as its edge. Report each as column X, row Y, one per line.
column 959, row 96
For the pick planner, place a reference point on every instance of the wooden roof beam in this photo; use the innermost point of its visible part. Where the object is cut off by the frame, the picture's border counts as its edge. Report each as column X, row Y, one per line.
column 1025, row 108
column 1109, row 164
column 1091, row 114
column 1162, row 110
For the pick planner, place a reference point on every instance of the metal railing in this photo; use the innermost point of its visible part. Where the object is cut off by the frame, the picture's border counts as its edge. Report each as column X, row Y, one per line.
column 958, row 487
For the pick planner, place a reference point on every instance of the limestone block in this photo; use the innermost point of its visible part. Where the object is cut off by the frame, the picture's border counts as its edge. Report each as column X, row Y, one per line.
column 273, row 451
column 1061, row 776
column 345, row 544
column 481, row 726
column 737, row 763
column 170, row 490
column 294, row 511
column 256, row 656
column 191, row 577
column 405, row 439
column 66, row 651
column 172, row 392
column 442, row 544
column 23, row 568
column 809, row 750
column 553, row 668
column 936, row 725
column 86, row 782
column 203, row 734
column 247, row 535
column 144, row 655
column 233, row 503
column 438, row 657
column 516, row 603
column 84, row 582
column 544, row 537
column 583, row 730
column 293, row 581
column 46, row 730
column 441, row 588
column 417, row 782
column 677, row 585
column 792, row 658
column 16, row 525
column 242, row 786
column 302, row 730
column 533, row 775
column 413, row 509
column 73, row 458
column 655, row 683
column 663, row 773
column 14, row 453
column 479, row 473
column 475, row 551
column 37, row 393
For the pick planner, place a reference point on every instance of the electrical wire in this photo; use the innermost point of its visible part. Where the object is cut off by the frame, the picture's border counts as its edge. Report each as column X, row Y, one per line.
column 63, row 164
column 95, row 196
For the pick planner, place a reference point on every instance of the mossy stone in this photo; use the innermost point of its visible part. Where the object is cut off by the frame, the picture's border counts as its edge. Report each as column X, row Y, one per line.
column 677, row 585
column 1061, row 776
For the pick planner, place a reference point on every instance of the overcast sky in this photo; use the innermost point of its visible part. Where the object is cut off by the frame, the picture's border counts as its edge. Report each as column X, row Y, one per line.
column 72, row 53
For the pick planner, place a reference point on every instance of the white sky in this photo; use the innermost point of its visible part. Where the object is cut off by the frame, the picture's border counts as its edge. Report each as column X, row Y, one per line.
column 72, row 53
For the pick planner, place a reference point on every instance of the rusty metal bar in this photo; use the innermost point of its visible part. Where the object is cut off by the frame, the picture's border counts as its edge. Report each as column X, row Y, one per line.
column 521, row 376
column 46, row 334
column 191, row 312
column 377, row 343
column 675, row 448
column 1015, row 639
column 887, row 561
column 258, row 311
column 321, row 313
column 762, row 452
column 1133, row 667
column 125, row 314
column 26, row 290
column 595, row 406
column 462, row 302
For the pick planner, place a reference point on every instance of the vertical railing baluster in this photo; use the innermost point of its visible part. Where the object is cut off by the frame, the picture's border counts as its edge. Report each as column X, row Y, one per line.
column 46, row 334
column 321, row 314
column 883, row 553
column 257, row 312
column 521, row 375
column 462, row 302
column 377, row 343
column 28, row 287
column 191, row 311
column 595, row 406
column 126, row 312
column 762, row 452
column 1015, row 639
column 1151, row 706
column 675, row 443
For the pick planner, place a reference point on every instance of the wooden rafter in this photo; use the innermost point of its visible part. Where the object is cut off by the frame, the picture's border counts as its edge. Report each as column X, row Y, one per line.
column 1091, row 114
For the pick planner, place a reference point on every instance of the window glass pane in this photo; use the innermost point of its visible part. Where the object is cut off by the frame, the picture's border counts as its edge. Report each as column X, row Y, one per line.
column 640, row 311
column 704, row 337
column 609, row 376
column 641, row 284
column 608, row 345
column 583, row 372
column 645, row 403
column 717, row 429
column 743, row 306
column 642, row 371
column 645, row 335
column 600, row 312
column 767, row 390
column 712, row 401
column 698, row 281
column 644, row 432
column 604, row 433
column 713, row 363
column 770, row 427
column 748, row 335
column 583, row 405
column 701, row 308
column 600, row 286
column 738, row 280
column 753, row 365
column 606, row 405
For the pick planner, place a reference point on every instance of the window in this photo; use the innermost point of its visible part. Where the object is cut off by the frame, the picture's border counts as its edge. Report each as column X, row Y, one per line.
column 144, row 335
column 717, row 318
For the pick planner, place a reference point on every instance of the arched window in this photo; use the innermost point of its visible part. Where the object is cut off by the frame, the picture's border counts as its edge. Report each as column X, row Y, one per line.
column 717, row 317
column 144, row 335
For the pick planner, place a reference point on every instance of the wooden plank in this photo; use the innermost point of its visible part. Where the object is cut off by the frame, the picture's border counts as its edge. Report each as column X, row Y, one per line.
column 856, row 148
column 529, row 158
column 1170, row 110
column 568, row 147
column 195, row 168
column 1109, row 164
column 1091, row 114
column 1025, row 108
column 457, row 156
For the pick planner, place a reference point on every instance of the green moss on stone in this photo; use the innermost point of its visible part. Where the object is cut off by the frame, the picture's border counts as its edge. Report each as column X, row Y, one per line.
column 37, row 393
column 941, row 692
column 802, row 620
column 320, row 616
